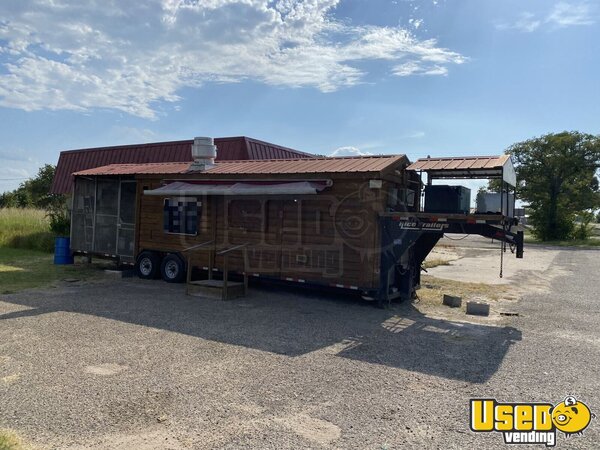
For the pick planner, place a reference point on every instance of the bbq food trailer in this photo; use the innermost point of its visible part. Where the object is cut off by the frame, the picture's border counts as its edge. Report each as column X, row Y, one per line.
column 352, row 223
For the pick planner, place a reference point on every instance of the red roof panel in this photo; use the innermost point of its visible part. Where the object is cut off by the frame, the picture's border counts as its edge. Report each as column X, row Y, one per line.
column 459, row 163
column 361, row 164
column 231, row 148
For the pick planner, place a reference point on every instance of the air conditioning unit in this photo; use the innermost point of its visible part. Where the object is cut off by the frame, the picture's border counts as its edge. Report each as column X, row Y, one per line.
column 447, row 199
column 495, row 203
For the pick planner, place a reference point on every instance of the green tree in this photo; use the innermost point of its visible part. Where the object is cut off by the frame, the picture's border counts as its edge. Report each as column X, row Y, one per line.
column 34, row 192
column 558, row 177
column 38, row 188
column 7, row 200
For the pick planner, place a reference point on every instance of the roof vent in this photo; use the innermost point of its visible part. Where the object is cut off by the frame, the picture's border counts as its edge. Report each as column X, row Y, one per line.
column 204, row 153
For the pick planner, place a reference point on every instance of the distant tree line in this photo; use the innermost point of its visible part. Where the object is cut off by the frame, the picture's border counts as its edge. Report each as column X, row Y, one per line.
column 32, row 193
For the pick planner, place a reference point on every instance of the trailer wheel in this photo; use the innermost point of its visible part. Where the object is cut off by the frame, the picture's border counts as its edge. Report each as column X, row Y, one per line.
column 172, row 269
column 147, row 265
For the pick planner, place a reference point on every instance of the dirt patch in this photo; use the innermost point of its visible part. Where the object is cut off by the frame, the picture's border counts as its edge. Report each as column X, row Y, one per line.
column 440, row 256
column 145, row 440
column 501, row 298
column 104, row 370
column 470, row 270
column 10, row 379
column 433, row 288
column 316, row 430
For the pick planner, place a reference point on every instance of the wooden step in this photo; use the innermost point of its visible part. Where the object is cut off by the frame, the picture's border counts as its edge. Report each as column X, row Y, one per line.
column 215, row 283
column 215, row 289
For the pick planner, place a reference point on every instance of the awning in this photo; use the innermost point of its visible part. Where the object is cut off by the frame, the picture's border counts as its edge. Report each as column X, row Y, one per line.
column 194, row 188
column 486, row 167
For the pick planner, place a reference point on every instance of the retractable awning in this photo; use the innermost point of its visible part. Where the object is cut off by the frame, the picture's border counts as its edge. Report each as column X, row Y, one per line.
column 234, row 188
column 485, row 167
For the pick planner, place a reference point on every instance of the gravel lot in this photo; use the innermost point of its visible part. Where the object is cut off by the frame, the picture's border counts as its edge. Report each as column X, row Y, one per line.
column 137, row 364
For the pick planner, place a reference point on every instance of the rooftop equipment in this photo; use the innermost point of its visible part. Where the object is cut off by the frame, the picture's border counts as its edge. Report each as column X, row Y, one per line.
column 204, row 153
column 491, row 203
column 441, row 198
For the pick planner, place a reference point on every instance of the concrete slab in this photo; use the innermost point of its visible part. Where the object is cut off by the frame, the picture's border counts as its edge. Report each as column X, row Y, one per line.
column 483, row 265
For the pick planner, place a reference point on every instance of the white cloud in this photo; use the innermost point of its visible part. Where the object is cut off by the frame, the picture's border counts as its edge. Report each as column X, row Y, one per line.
column 132, row 134
column 349, row 151
column 415, row 135
column 11, row 172
column 412, row 68
column 78, row 55
column 11, row 176
column 562, row 15
column 570, row 14
column 527, row 22
column 16, row 165
column 415, row 23
column 14, row 155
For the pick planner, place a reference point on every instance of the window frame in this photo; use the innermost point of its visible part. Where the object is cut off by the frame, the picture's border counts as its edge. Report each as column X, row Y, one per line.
column 186, row 200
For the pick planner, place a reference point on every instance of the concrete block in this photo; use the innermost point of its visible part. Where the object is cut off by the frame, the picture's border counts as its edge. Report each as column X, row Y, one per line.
column 452, row 301
column 124, row 273
column 478, row 308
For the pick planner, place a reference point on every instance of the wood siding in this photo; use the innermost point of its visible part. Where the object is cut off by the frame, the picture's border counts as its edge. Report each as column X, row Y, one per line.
column 331, row 237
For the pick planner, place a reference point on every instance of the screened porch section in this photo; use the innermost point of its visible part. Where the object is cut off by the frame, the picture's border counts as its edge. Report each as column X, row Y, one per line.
column 103, row 216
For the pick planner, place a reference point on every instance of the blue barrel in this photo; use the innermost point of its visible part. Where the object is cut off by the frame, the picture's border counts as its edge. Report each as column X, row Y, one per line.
column 62, row 251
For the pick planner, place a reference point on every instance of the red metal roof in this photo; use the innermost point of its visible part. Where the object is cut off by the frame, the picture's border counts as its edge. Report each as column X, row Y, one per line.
column 468, row 167
column 265, row 167
column 459, row 163
column 230, row 148
column 137, row 169
column 313, row 165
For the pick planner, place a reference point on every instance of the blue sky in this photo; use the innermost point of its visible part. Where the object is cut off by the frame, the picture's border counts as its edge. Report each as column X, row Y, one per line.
column 453, row 77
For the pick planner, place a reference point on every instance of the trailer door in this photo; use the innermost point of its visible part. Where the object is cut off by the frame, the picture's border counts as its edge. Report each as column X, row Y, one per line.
column 107, row 212
column 126, row 220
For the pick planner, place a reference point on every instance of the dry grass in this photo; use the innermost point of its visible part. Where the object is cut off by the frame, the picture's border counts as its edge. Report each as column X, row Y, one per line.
column 433, row 289
column 434, row 262
column 25, row 228
column 10, row 441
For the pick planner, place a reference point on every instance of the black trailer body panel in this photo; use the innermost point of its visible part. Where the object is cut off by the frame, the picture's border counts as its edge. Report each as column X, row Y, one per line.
column 407, row 239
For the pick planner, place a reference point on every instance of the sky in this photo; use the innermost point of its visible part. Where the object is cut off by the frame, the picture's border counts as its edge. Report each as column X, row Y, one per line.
column 331, row 77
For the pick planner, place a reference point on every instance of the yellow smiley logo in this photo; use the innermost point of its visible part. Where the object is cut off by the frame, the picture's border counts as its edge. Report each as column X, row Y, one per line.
column 571, row 416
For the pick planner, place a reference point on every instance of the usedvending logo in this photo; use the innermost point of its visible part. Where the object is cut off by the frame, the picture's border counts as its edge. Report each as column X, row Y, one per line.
column 530, row 423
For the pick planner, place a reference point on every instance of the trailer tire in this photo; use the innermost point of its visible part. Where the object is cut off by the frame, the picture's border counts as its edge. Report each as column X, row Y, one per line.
column 172, row 269
column 147, row 265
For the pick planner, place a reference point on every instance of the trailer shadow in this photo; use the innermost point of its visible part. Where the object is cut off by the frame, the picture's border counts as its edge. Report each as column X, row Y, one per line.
column 292, row 323
column 454, row 350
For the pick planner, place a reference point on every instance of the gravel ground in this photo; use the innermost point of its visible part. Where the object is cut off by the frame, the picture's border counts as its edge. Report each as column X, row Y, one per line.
column 137, row 364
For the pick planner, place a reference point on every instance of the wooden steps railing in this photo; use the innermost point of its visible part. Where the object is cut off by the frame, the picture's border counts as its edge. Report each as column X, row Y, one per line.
column 225, row 253
column 227, row 288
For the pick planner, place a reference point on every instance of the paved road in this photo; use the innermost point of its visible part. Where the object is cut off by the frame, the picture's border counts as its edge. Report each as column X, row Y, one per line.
column 137, row 364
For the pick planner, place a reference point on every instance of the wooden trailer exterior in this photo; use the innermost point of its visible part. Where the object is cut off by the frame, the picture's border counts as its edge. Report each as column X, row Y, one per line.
column 352, row 223
column 328, row 237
